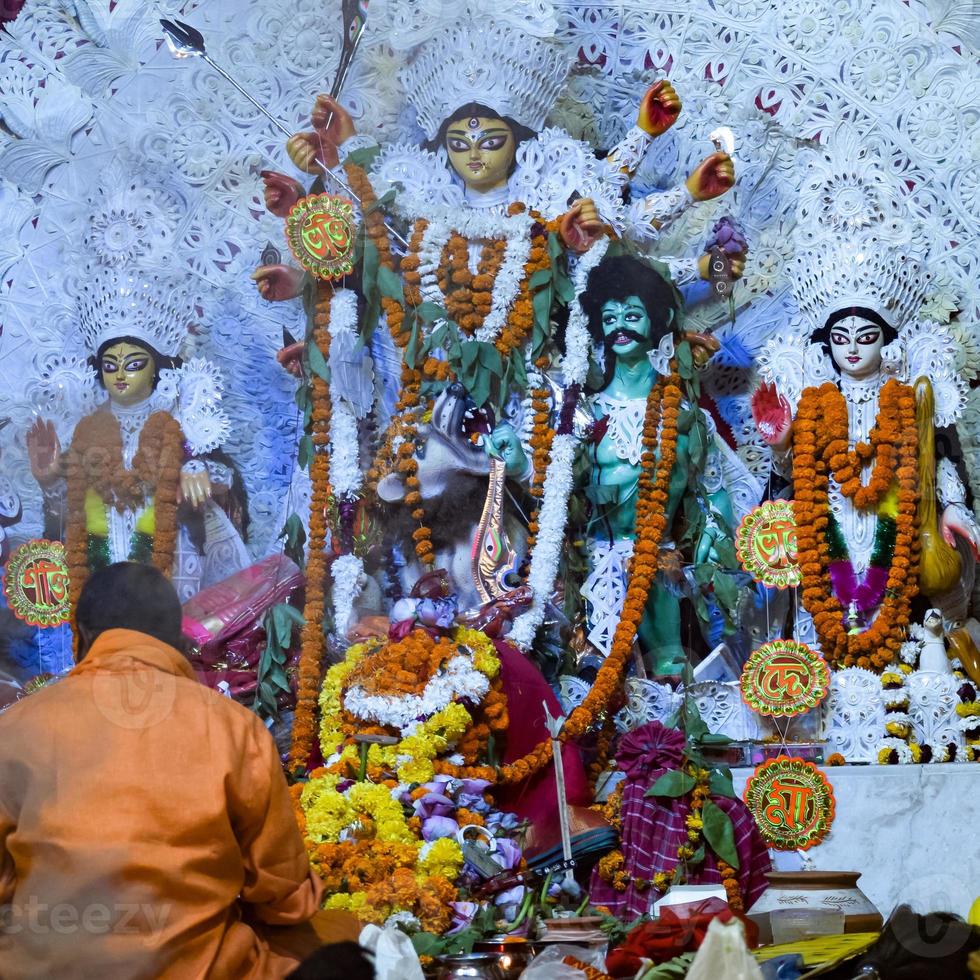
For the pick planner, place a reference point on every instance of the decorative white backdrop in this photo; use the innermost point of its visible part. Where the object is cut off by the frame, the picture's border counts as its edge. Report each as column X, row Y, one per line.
column 109, row 146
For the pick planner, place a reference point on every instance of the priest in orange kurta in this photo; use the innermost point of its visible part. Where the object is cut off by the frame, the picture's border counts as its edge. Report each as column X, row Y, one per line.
column 145, row 825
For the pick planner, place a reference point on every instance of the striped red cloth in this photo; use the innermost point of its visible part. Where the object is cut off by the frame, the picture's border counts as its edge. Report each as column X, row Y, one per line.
column 653, row 829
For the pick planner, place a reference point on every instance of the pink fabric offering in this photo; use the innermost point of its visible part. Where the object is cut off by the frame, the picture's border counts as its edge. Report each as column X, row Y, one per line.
column 653, row 828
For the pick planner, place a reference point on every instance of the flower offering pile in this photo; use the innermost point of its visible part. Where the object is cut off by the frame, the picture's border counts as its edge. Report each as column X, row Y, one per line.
column 390, row 818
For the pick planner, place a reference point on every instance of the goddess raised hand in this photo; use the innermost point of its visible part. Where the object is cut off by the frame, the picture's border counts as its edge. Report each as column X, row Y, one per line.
column 332, row 126
column 712, row 177
column 773, row 417
column 581, row 225
column 44, row 453
column 659, row 108
column 280, row 192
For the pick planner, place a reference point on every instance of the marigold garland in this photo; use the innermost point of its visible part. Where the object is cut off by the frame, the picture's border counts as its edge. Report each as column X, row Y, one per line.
column 520, row 319
column 542, row 436
column 95, row 462
column 413, row 759
column 729, row 881
column 405, row 420
column 469, row 296
column 822, row 423
column 612, row 867
column 651, row 524
column 846, row 464
column 312, row 641
column 404, row 667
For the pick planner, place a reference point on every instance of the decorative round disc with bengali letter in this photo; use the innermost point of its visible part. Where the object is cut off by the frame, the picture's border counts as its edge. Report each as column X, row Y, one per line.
column 321, row 231
column 792, row 803
column 766, row 544
column 784, row 678
column 36, row 583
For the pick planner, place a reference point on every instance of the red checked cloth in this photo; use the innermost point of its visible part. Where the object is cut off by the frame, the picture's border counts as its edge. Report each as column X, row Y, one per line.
column 653, row 829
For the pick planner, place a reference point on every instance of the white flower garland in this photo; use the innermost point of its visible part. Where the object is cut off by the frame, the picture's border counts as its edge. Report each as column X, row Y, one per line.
column 551, row 535
column 458, row 679
column 505, row 288
column 345, row 468
column 575, row 363
column 535, row 379
column 347, row 572
column 896, row 701
column 477, row 226
column 558, row 477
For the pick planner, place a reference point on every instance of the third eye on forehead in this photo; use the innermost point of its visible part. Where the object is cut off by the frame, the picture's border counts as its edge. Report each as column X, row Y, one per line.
column 472, row 137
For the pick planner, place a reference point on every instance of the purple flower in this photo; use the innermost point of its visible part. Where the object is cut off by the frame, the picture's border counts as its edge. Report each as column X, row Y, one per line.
column 501, row 821
column 434, row 805
column 727, row 236
column 434, row 828
column 508, row 854
column 440, row 613
column 436, row 785
column 475, row 803
column 463, row 913
column 469, row 793
column 473, row 787
column 509, row 902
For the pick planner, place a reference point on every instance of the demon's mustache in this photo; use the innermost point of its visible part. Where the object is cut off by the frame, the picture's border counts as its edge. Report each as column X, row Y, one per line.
column 610, row 340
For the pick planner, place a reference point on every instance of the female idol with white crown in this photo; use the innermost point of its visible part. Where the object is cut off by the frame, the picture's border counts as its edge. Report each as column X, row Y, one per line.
column 482, row 88
column 874, row 397
column 139, row 477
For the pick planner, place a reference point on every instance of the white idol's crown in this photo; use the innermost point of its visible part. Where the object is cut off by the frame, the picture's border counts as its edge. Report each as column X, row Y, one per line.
column 862, row 270
column 495, row 64
column 114, row 302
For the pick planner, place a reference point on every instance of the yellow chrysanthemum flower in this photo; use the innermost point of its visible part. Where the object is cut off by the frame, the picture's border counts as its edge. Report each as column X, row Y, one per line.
column 444, row 859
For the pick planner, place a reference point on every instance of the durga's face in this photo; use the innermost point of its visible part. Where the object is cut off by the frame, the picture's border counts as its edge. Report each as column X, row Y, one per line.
column 481, row 150
column 127, row 372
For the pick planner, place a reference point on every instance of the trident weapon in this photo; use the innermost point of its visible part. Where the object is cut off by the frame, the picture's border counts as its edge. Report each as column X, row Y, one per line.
column 185, row 41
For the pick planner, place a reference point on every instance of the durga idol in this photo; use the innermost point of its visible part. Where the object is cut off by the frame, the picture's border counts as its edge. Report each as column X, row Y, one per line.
column 477, row 197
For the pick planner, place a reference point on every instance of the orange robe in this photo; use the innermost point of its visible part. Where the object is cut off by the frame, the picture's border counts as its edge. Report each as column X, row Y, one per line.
column 144, row 821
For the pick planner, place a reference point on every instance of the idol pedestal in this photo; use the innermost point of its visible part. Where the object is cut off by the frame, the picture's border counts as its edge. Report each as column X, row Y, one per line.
column 911, row 831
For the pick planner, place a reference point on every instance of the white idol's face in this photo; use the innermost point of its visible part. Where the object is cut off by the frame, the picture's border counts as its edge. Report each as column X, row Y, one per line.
column 855, row 345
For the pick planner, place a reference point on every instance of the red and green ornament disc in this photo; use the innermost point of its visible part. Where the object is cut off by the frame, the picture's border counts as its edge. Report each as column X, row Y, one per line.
column 784, row 678
column 766, row 545
column 792, row 803
column 36, row 583
column 321, row 231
